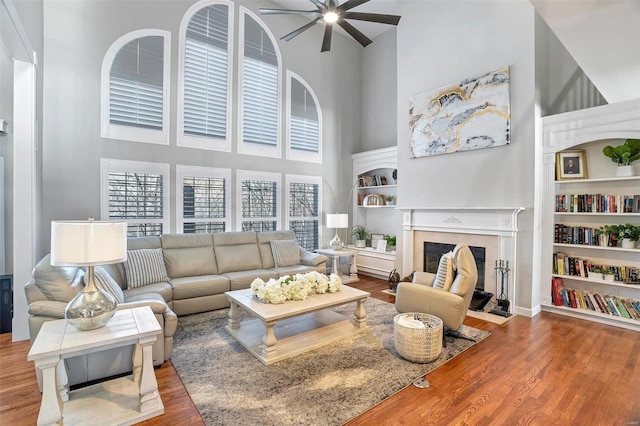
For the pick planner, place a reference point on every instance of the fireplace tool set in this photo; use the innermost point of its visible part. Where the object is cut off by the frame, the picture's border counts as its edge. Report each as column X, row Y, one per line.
column 502, row 274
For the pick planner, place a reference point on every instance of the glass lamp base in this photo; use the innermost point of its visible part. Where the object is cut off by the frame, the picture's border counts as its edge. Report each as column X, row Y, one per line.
column 90, row 309
column 336, row 243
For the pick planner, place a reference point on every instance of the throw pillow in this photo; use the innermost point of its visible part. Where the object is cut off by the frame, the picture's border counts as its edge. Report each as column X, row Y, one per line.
column 106, row 283
column 143, row 267
column 285, row 252
column 444, row 275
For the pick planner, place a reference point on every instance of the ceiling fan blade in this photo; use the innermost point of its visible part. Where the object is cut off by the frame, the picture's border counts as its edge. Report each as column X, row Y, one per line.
column 321, row 6
column 300, row 30
column 361, row 38
column 326, row 41
column 266, row 11
column 372, row 17
column 351, row 4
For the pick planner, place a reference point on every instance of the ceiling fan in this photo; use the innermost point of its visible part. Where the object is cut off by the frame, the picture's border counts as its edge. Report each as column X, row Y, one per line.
column 331, row 12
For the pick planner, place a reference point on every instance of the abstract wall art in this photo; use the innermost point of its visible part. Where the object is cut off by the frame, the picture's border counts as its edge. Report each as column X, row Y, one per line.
column 469, row 115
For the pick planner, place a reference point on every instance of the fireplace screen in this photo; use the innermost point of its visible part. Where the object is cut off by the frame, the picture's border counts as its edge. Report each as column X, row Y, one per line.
column 434, row 251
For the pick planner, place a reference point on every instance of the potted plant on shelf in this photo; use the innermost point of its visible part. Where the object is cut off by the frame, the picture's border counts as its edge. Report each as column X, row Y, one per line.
column 603, row 273
column 390, row 199
column 391, row 241
column 610, row 235
column 361, row 234
column 629, row 233
column 623, row 155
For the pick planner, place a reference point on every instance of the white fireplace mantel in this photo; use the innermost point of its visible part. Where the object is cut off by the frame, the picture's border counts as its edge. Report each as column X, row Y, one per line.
column 501, row 222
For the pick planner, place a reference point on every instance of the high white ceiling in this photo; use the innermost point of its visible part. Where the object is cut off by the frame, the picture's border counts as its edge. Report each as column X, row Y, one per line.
column 370, row 29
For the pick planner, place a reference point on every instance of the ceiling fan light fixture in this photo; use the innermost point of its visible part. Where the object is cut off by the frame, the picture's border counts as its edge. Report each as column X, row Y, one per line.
column 330, row 17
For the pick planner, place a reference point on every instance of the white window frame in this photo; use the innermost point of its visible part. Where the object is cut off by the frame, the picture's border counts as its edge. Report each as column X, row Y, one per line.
column 242, row 175
column 108, row 165
column 190, row 141
column 249, row 148
column 128, row 133
column 296, row 154
column 317, row 180
column 183, row 171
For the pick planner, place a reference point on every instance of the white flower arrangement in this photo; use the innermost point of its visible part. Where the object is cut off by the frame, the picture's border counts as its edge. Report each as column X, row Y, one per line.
column 297, row 287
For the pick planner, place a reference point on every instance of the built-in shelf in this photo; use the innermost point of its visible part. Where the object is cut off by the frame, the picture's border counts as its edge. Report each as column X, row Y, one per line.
column 377, row 186
column 605, row 179
column 590, row 315
column 594, row 214
column 596, row 281
column 585, row 246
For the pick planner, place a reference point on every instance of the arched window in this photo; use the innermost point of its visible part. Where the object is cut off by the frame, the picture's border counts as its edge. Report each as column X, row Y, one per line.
column 304, row 123
column 204, row 77
column 135, row 87
column 259, row 88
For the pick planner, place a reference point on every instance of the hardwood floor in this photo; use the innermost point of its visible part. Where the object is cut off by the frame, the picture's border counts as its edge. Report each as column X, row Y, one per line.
column 546, row 370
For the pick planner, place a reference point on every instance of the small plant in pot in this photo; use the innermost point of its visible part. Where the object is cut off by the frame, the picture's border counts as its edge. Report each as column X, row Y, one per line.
column 624, row 155
column 610, row 233
column 630, row 234
column 390, row 199
column 391, row 241
column 603, row 273
column 361, row 234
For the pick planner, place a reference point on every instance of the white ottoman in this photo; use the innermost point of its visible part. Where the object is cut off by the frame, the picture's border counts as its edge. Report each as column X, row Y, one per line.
column 418, row 336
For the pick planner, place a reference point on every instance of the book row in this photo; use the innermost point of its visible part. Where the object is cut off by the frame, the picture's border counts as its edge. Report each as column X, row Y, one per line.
column 375, row 180
column 597, row 203
column 582, row 299
column 563, row 264
column 584, row 235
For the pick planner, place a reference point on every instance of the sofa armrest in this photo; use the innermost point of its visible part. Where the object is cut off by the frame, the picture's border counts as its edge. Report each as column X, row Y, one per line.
column 153, row 300
column 312, row 259
column 449, row 307
column 48, row 308
column 424, row 278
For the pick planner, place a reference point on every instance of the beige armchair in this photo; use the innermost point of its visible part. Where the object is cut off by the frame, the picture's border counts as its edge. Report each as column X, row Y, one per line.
column 449, row 305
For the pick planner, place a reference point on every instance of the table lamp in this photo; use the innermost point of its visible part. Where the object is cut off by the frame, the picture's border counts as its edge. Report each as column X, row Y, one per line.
column 89, row 243
column 337, row 221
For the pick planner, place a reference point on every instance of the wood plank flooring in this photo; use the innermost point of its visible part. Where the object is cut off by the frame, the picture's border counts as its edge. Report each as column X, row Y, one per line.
column 546, row 370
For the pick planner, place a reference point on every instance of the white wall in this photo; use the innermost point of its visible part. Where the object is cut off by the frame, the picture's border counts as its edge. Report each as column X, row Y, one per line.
column 6, row 152
column 466, row 39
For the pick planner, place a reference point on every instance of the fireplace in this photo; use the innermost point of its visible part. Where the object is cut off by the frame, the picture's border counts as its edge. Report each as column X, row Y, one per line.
column 433, row 252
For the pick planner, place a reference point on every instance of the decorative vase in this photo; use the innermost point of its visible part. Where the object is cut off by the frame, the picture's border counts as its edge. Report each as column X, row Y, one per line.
column 361, row 243
column 91, row 308
column 628, row 244
column 625, row 171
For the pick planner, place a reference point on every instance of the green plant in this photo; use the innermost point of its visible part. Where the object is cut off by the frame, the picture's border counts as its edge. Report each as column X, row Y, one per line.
column 625, row 154
column 361, row 232
column 604, row 272
column 389, row 198
column 629, row 231
column 608, row 229
column 391, row 240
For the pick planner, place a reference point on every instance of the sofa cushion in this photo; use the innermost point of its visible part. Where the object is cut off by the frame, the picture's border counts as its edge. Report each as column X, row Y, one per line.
column 204, row 285
column 243, row 279
column 311, row 259
column 285, row 252
column 106, row 283
column 144, row 266
column 236, row 251
column 297, row 269
column 188, row 255
column 57, row 283
column 264, row 244
column 164, row 289
column 444, row 274
column 147, row 242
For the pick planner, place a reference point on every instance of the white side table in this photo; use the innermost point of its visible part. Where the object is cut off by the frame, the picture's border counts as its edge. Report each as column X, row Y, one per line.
column 125, row 400
column 336, row 255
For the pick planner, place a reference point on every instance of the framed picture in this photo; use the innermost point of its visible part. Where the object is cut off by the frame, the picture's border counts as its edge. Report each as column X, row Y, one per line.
column 571, row 165
column 375, row 238
column 636, row 204
column 382, row 245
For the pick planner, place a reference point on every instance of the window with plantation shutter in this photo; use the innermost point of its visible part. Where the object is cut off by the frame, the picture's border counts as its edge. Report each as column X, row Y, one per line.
column 259, row 89
column 136, row 192
column 304, row 123
column 303, row 201
column 135, row 87
column 205, row 76
column 202, row 199
column 258, row 202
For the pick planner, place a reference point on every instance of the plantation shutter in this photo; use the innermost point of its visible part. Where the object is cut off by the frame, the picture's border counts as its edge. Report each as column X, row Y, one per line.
column 206, row 73
column 304, row 130
column 260, row 86
column 137, row 198
column 136, row 84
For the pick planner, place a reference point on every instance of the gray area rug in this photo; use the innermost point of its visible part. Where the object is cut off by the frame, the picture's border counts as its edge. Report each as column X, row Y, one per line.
column 327, row 386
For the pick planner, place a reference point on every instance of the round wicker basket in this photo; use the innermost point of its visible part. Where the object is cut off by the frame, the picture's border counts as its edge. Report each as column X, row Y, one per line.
column 418, row 344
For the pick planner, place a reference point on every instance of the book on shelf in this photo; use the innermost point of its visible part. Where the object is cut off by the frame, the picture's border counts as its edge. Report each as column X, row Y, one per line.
column 594, row 203
column 588, row 300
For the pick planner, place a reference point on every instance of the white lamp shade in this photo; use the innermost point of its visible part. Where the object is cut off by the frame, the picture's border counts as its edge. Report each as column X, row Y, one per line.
column 337, row 220
column 88, row 242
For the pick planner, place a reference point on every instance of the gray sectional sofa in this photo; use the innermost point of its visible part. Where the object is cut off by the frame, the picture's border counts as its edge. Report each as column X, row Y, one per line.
column 200, row 268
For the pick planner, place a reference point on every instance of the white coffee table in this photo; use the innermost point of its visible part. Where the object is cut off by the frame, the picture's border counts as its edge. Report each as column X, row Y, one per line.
column 125, row 400
column 284, row 330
